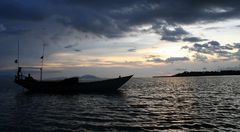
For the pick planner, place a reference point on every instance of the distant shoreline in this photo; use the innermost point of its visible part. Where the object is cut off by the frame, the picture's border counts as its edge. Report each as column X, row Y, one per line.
column 160, row 76
column 204, row 73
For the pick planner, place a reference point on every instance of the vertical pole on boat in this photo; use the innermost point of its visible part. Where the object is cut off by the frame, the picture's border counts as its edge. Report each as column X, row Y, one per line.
column 19, row 76
column 42, row 62
column 18, row 61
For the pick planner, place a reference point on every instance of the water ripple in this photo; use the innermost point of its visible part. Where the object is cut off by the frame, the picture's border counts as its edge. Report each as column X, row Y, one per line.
column 143, row 104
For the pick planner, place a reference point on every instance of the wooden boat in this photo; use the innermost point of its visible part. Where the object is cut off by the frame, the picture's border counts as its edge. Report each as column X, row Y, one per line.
column 71, row 85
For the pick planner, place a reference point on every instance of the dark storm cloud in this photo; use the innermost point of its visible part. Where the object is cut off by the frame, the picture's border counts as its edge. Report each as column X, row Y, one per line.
column 113, row 18
column 168, row 60
column 175, row 34
column 22, row 10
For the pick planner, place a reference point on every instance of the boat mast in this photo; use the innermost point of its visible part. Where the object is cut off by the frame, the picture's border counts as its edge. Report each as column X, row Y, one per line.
column 18, row 61
column 41, row 69
column 19, row 74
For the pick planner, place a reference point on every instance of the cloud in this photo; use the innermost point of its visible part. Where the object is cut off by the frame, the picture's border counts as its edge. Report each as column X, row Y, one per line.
column 213, row 28
column 174, row 59
column 115, row 18
column 200, row 57
column 77, row 50
column 228, row 47
column 13, row 29
column 237, row 54
column 236, row 45
column 2, row 28
column 168, row 60
column 22, row 10
column 214, row 43
column 69, row 46
column 115, row 14
column 210, row 47
column 132, row 50
column 156, row 60
column 224, row 52
column 174, row 34
column 193, row 39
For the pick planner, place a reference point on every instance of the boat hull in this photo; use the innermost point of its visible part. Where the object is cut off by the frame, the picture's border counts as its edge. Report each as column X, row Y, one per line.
column 66, row 86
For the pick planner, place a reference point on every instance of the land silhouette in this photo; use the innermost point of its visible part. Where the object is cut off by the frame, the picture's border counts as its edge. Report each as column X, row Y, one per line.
column 204, row 73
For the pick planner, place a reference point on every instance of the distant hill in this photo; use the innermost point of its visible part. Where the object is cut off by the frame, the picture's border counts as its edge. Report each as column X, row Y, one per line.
column 208, row 73
column 88, row 77
column 84, row 77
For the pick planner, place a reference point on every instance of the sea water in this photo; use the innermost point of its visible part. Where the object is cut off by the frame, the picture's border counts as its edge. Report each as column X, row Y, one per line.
column 142, row 104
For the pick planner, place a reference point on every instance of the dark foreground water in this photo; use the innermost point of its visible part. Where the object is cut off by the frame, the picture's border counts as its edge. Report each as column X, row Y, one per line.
column 164, row 104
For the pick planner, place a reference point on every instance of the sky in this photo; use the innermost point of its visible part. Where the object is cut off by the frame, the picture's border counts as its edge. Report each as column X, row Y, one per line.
column 109, row 38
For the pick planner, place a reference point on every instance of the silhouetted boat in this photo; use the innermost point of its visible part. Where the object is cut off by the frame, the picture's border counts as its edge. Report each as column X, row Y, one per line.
column 71, row 85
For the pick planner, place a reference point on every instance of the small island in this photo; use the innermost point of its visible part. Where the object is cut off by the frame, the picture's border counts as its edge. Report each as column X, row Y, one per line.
column 204, row 73
column 208, row 73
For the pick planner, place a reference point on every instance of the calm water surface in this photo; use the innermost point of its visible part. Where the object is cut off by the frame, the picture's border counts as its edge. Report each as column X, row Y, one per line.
column 147, row 104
